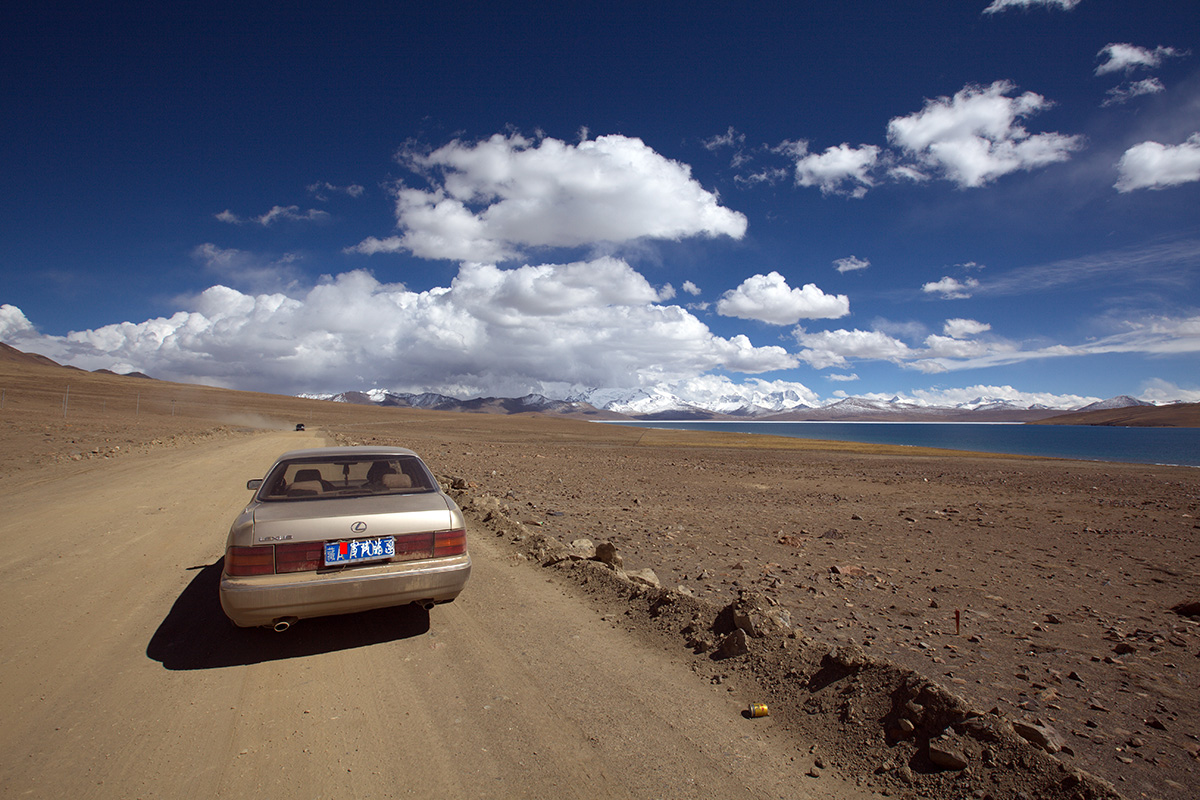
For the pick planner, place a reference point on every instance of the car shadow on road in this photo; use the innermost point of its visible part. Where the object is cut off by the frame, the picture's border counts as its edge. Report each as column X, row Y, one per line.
column 196, row 634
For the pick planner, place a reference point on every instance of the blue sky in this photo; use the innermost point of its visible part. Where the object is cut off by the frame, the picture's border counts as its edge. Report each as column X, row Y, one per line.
column 931, row 200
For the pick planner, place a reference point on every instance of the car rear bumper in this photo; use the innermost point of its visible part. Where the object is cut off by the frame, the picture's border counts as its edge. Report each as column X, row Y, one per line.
column 263, row 599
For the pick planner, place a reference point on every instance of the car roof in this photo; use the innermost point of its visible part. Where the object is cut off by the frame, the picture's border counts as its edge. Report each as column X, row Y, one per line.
column 345, row 452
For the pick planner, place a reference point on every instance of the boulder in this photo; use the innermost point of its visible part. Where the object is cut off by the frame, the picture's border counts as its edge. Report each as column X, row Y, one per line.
column 947, row 755
column 755, row 614
column 645, row 576
column 735, row 644
column 582, row 548
column 606, row 553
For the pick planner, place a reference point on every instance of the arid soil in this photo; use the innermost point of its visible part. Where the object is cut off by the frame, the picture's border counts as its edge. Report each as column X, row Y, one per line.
column 1040, row 588
column 898, row 603
column 120, row 676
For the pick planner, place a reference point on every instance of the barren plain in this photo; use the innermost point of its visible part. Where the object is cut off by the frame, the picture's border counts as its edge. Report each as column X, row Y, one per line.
column 896, row 608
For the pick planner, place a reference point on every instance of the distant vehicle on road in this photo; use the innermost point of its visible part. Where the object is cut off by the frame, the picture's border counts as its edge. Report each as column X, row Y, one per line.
column 339, row 530
column 299, row 426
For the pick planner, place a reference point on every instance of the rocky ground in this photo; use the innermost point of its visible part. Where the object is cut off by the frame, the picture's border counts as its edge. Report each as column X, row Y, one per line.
column 911, row 610
column 1039, row 590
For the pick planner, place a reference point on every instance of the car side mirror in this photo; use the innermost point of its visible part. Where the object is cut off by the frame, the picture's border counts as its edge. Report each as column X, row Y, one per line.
column 254, row 484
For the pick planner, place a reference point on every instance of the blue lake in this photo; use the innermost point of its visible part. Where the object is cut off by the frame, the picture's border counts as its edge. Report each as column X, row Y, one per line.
column 1087, row 442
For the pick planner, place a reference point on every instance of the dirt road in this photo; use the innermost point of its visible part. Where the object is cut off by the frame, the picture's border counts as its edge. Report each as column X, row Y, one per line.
column 120, row 677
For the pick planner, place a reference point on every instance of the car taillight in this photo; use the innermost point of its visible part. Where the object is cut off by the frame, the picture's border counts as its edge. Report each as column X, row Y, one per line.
column 413, row 546
column 302, row 557
column 250, row 560
column 449, row 543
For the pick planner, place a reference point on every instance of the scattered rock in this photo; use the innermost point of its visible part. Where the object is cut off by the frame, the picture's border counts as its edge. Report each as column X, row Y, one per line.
column 1188, row 608
column 946, row 755
column 645, row 576
column 1040, row 735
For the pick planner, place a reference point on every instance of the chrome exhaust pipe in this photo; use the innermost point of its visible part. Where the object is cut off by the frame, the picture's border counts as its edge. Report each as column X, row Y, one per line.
column 282, row 624
column 427, row 604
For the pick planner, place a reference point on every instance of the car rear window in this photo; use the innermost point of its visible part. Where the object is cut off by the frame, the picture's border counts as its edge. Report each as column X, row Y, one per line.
column 307, row 479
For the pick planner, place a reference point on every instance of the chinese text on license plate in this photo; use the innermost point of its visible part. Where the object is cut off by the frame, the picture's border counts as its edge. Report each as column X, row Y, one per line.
column 356, row 550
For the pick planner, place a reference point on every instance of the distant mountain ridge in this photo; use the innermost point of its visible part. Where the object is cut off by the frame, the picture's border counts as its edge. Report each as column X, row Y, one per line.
column 743, row 403
column 660, row 404
column 1120, row 401
column 432, row 401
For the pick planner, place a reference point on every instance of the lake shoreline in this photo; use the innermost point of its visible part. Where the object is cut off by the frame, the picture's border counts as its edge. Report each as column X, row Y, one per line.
column 1106, row 444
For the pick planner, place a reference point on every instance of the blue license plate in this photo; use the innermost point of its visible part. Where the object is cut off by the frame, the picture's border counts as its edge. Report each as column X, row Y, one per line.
column 355, row 551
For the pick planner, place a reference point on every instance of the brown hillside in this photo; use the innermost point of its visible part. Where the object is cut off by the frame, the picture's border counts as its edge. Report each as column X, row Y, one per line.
column 13, row 355
column 1179, row 415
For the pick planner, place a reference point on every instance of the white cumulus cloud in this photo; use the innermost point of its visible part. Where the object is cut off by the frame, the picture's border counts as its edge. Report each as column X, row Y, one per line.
column 840, row 169
column 1122, row 57
column 823, row 349
column 768, row 298
column 951, row 288
column 491, row 199
column 1151, row 165
column 962, row 328
column 850, row 264
column 975, row 136
column 954, row 347
column 493, row 331
column 13, row 324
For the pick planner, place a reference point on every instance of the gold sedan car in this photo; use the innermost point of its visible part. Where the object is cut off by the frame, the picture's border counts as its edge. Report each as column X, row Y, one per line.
column 338, row 530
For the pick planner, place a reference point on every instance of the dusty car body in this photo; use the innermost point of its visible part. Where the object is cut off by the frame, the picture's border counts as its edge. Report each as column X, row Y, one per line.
column 338, row 530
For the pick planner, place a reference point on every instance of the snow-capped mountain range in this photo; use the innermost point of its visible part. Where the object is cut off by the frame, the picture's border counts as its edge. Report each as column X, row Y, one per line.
column 660, row 403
